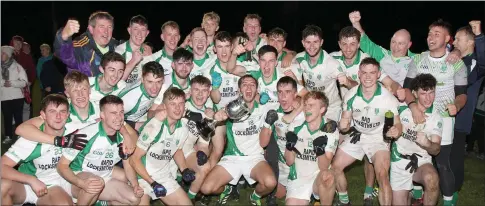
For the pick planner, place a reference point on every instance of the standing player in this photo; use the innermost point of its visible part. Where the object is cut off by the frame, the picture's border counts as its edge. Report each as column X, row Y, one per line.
column 182, row 66
column 366, row 105
column 170, row 37
column 210, row 23
column 277, row 39
column 109, row 80
column 203, row 61
column 252, row 27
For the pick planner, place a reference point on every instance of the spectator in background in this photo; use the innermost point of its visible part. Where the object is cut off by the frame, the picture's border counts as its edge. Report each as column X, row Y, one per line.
column 51, row 72
column 27, row 62
column 46, row 55
column 12, row 80
column 478, row 127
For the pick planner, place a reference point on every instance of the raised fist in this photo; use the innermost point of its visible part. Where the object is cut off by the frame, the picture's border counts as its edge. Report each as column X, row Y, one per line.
column 476, row 27
column 354, row 17
column 72, row 27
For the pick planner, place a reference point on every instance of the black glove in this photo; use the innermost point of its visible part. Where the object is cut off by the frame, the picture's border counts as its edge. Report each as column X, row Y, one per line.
column 413, row 163
column 121, row 153
column 158, row 189
column 355, row 135
column 329, row 127
column 201, row 158
column 319, row 145
column 194, row 116
column 271, row 117
column 291, row 140
column 188, row 175
column 72, row 140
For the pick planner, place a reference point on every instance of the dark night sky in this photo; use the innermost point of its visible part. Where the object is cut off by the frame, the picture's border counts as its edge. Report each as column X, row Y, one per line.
column 37, row 21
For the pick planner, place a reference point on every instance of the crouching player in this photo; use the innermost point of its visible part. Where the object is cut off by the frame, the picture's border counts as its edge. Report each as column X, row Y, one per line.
column 310, row 147
column 411, row 154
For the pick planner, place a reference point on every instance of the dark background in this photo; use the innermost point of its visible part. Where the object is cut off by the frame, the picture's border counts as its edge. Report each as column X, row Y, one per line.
column 37, row 21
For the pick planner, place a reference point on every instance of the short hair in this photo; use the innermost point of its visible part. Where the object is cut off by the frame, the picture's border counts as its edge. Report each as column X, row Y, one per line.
column 287, row 80
column 239, row 35
column 468, row 32
column 369, row 60
column 172, row 24
column 312, row 30
column 277, row 32
column 223, row 36
column 112, row 56
column 153, row 67
column 252, row 16
column 239, row 82
column 211, row 16
column 265, row 49
column 109, row 99
column 199, row 79
column 196, row 29
column 44, row 45
column 173, row 93
column 318, row 95
column 423, row 81
column 148, row 44
column 349, row 32
column 100, row 15
column 75, row 77
column 56, row 99
column 140, row 20
column 182, row 54
column 443, row 24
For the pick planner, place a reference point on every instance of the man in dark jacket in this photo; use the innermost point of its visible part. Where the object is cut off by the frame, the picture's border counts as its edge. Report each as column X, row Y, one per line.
column 52, row 76
column 85, row 52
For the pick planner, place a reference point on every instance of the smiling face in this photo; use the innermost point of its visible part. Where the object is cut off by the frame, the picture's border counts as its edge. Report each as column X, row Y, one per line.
column 113, row 116
column 349, row 47
column 152, row 84
column 182, row 68
column 199, row 93
column 248, row 89
column 425, row 98
column 312, row 45
column 199, row 43
column 437, row 38
column 175, row 107
column 79, row 94
column 368, row 75
column 138, row 33
column 113, row 72
column 171, row 37
column 102, row 31
column 400, row 43
column 277, row 42
column 55, row 116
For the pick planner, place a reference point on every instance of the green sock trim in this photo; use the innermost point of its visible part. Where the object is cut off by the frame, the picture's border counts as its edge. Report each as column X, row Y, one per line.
column 227, row 189
column 255, row 196
column 368, row 190
column 417, row 194
column 343, row 197
column 191, row 195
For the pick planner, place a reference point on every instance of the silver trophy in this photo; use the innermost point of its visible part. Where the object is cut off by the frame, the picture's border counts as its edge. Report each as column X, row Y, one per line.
column 236, row 110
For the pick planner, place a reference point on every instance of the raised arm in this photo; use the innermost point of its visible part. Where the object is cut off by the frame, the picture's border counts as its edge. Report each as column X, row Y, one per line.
column 366, row 44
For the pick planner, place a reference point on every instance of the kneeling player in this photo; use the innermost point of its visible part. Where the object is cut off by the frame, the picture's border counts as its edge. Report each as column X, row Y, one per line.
column 317, row 139
column 411, row 154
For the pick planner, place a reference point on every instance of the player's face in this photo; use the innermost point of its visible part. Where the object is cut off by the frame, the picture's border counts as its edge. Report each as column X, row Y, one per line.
column 437, row 38
column 138, row 33
column 175, row 108
column 426, row 98
column 210, row 26
column 462, row 42
column 147, row 51
column 248, row 89
column 286, row 96
column 252, row 28
column 349, row 47
column 79, row 94
column 399, row 45
column 199, row 43
column 171, row 37
column 55, row 115
column 268, row 63
column 313, row 45
column 223, row 50
column 314, row 109
column 113, row 116
column 368, row 75
column 277, row 42
column 152, row 84
column 102, row 32
column 182, row 68
column 199, row 93
column 113, row 72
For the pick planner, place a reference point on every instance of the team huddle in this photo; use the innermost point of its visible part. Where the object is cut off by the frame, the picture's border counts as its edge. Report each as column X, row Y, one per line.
column 128, row 130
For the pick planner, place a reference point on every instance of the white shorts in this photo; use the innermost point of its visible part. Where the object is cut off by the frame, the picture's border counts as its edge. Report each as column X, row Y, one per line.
column 359, row 149
column 168, row 182
column 67, row 186
column 31, row 197
column 448, row 130
column 238, row 166
column 402, row 179
column 284, row 171
column 302, row 187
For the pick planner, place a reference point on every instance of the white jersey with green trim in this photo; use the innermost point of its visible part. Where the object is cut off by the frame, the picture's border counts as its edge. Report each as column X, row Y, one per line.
column 177, row 85
column 243, row 137
column 407, row 143
column 127, row 52
column 306, row 164
column 136, row 102
column 320, row 77
column 368, row 115
column 201, row 66
column 166, row 61
column 160, row 145
column 96, row 93
column 281, row 128
column 74, row 121
column 249, row 65
column 280, row 62
column 210, row 49
column 194, row 135
column 260, row 43
column 229, row 88
column 36, row 159
column 447, row 76
column 100, row 154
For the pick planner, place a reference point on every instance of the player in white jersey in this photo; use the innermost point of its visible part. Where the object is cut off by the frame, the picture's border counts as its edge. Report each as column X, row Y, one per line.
column 451, row 89
column 252, row 27
column 277, row 39
column 411, row 155
column 37, row 181
column 91, row 174
column 310, row 147
column 210, row 23
column 366, row 106
column 203, row 61
column 318, row 71
column 138, row 99
column 162, row 139
column 245, row 59
column 182, row 66
column 170, row 37
column 243, row 155
column 133, row 50
column 109, row 81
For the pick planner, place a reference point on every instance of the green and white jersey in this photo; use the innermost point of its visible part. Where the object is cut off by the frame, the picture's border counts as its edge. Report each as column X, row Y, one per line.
column 210, row 49
column 74, row 121
column 368, row 115
column 201, row 66
column 396, row 67
column 447, row 76
column 96, row 93
column 166, row 61
column 306, row 164
column 280, row 61
column 320, row 77
column 37, row 159
column 243, row 137
column 252, row 65
column 177, row 85
column 260, row 43
column 194, row 135
column 229, row 89
column 433, row 126
column 127, row 52
column 100, row 154
column 136, row 102
column 160, row 145
column 352, row 70
column 279, row 130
